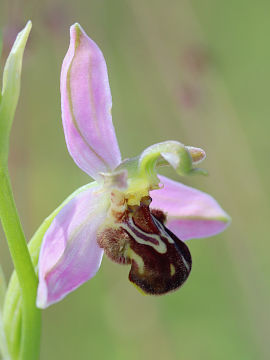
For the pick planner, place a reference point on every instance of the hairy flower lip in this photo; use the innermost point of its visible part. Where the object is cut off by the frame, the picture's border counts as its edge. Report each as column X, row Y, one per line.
column 70, row 254
column 160, row 262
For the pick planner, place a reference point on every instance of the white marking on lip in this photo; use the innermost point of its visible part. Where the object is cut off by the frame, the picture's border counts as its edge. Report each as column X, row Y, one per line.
column 160, row 247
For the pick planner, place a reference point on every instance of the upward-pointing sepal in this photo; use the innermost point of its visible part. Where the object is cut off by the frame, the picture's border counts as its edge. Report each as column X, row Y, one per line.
column 86, row 106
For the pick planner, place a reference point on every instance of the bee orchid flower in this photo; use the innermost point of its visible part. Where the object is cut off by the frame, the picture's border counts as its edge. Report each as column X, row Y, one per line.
column 131, row 213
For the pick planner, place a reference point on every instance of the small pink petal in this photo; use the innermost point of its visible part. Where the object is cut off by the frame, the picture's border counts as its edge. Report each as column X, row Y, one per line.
column 86, row 106
column 191, row 213
column 69, row 254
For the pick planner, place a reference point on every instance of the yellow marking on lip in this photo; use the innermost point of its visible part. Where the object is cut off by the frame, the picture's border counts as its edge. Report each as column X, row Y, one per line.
column 172, row 269
column 139, row 289
column 137, row 258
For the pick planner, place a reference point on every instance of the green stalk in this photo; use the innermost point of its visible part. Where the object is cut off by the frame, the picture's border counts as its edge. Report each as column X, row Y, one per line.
column 31, row 316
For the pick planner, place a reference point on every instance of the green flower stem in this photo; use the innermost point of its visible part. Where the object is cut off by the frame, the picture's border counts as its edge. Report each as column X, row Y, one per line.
column 31, row 316
column 3, row 342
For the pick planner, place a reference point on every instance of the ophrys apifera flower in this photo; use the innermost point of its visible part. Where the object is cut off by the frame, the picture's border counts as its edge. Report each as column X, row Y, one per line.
column 131, row 213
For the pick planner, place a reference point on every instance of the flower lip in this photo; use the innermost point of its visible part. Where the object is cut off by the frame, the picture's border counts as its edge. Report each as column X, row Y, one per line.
column 160, row 262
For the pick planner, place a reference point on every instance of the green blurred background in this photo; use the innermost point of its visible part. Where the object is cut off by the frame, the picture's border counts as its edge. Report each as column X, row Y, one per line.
column 194, row 71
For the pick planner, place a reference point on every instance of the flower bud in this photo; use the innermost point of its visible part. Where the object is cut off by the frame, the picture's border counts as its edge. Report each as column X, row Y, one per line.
column 11, row 89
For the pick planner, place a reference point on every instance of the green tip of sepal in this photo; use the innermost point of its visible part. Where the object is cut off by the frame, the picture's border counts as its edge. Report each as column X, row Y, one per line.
column 77, row 27
column 77, row 30
column 11, row 88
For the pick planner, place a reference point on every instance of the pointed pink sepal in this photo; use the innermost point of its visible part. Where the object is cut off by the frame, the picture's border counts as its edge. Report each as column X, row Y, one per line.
column 191, row 213
column 86, row 106
column 69, row 254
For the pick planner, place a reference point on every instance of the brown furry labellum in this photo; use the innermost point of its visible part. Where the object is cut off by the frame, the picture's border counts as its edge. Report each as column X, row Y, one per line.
column 160, row 262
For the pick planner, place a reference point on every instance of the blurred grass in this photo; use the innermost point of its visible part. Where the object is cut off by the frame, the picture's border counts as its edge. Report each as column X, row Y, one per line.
column 193, row 71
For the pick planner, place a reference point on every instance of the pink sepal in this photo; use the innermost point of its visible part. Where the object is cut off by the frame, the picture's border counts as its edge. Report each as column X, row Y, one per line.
column 191, row 213
column 86, row 106
column 69, row 254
